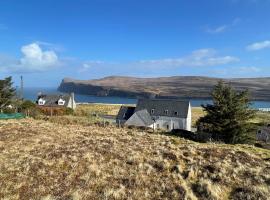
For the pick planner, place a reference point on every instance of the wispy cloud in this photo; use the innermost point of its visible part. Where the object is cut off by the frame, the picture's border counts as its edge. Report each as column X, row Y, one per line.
column 232, row 71
column 199, row 59
column 258, row 45
column 222, row 28
column 50, row 46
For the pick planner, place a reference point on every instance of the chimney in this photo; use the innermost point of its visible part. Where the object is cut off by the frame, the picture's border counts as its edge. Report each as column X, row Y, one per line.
column 22, row 87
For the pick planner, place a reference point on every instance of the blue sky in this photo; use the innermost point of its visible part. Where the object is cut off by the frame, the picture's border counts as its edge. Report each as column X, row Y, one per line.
column 48, row 40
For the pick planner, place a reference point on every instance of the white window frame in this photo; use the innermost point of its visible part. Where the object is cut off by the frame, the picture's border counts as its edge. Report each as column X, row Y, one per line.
column 166, row 112
column 152, row 111
column 175, row 113
column 61, row 102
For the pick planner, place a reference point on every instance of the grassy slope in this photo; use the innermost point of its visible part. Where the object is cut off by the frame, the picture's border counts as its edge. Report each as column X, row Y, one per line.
column 40, row 159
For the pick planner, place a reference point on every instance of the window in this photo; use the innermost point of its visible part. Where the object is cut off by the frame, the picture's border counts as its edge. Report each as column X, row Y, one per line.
column 61, row 102
column 175, row 113
column 168, row 127
column 166, row 112
column 259, row 131
column 152, row 111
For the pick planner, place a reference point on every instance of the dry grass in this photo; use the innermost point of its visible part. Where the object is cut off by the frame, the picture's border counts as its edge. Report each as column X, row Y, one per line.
column 104, row 109
column 43, row 160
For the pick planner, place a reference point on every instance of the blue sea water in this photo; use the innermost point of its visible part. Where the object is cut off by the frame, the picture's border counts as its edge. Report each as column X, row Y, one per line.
column 31, row 94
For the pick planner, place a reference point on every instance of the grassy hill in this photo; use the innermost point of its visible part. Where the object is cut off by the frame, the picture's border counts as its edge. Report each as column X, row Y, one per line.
column 179, row 86
column 44, row 160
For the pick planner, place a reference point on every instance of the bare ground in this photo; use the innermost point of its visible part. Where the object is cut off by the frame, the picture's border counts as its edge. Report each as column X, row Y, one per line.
column 43, row 160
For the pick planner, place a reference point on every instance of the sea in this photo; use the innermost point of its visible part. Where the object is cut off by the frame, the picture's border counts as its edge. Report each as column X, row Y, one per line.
column 31, row 94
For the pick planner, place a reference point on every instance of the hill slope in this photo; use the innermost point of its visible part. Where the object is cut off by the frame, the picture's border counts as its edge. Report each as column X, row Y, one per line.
column 40, row 159
column 179, row 86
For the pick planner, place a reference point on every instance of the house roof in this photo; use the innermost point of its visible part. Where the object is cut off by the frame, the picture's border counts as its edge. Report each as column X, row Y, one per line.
column 125, row 112
column 145, row 117
column 52, row 99
column 161, row 105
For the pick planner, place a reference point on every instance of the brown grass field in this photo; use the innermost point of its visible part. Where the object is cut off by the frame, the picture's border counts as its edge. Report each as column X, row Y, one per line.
column 44, row 160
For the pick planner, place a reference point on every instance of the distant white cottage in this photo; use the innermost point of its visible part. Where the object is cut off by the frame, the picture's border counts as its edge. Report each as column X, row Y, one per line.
column 166, row 114
column 56, row 100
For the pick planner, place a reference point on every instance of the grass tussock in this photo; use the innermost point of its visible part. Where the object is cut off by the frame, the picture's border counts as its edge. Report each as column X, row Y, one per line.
column 44, row 160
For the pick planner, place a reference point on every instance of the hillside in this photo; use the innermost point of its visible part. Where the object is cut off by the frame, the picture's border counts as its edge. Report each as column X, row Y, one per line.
column 179, row 86
column 43, row 160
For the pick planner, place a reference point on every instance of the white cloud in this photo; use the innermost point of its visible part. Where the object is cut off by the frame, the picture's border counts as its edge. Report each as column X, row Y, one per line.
column 86, row 66
column 219, row 29
column 224, row 27
column 244, row 71
column 259, row 45
column 34, row 59
column 50, row 46
column 198, row 58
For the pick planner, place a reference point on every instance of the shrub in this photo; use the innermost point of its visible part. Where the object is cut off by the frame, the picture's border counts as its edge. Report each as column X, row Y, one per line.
column 240, row 193
column 69, row 111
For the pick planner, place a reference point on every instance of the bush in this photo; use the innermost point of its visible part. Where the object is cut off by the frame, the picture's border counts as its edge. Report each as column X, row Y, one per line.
column 197, row 137
column 27, row 105
column 69, row 111
column 240, row 193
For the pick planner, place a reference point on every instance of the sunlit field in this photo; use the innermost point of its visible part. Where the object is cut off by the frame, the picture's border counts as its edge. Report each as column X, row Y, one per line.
column 44, row 160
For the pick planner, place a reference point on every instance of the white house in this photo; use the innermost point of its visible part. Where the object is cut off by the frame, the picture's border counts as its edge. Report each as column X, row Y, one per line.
column 166, row 114
column 56, row 100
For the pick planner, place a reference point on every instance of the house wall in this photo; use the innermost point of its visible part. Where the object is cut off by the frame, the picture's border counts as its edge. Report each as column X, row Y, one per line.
column 263, row 135
column 189, row 117
column 71, row 103
column 170, row 123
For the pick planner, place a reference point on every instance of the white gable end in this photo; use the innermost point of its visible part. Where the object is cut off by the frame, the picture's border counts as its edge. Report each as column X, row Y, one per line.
column 41, row 102
column 61, row 102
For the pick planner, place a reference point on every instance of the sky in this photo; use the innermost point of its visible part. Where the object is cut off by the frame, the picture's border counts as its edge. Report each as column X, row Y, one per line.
column 48, row 40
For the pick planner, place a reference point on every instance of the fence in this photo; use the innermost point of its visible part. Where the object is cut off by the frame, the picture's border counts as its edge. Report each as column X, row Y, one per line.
column 12, row 116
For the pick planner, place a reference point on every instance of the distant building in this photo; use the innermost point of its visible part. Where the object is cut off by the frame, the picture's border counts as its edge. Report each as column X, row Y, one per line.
column 166, row 114
column 56, row 100
column 263, row 134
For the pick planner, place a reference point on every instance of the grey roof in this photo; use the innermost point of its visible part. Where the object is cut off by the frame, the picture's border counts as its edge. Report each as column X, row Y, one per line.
column 52, row 99
column 145, row 117
column 175, row 107
column 125, row 112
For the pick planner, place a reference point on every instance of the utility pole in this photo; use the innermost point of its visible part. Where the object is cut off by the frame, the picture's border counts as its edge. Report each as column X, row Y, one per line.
column 21, row 87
